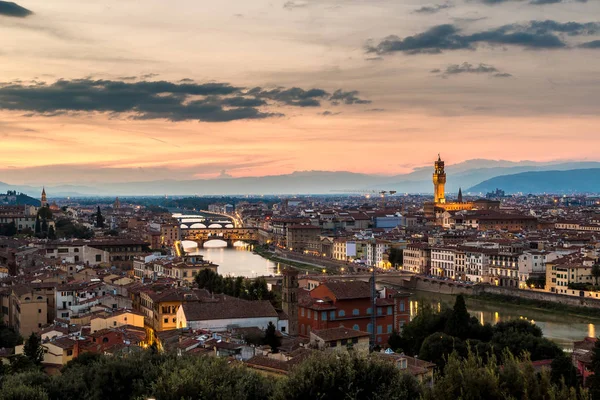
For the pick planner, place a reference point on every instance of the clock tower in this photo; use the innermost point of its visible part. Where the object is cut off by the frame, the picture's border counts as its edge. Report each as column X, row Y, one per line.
column 439, row 182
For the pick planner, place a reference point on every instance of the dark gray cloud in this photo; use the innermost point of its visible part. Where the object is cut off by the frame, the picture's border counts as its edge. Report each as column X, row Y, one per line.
column 211, row 102
column 533, row 35
column 339, row 96
column 594, row 44
column 468, row 68
column 432, row 9
column 10, row 9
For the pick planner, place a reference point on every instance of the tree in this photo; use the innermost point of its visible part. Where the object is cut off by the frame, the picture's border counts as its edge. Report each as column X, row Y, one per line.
column 594, row 380
column 271, row 338
column 8, row 336
column 596, row 271
column 395, row 341
column 9, row 229
column 33, row 349
column 396, row 256
column 437, row 347
column 562, row 369
column 345, row 376
column 458, row 323
column 99, row 219
column 51, row 233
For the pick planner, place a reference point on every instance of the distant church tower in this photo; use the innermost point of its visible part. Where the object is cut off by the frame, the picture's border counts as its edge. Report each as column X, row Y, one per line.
column 460, row 199
column 289, row 301
column 44, row 201
column 439, row 182
column 117, row 203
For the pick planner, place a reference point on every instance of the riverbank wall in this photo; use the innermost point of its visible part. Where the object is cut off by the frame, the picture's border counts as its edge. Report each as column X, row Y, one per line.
column 572, row 301
column 450, row 287
column 426, row 285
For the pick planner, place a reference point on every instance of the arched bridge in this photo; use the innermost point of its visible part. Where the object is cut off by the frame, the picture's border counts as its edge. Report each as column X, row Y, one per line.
column 229, row 235
column 201, row 222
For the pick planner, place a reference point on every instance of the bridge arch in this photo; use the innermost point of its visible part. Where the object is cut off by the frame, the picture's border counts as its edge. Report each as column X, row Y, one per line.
column 215, row 243
column 197, row 225
column 215, row 226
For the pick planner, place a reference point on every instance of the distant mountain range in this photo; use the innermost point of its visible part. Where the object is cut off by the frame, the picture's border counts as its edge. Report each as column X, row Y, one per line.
column 572, row 181
column 469, row 174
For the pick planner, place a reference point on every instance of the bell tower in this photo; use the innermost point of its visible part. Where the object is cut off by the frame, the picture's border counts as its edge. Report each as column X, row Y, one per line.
column 44, row 200
column 439, row 182
column 289, row 301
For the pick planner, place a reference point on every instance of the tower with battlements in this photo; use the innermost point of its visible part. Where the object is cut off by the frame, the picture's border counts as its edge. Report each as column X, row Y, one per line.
column 439, row 182
column 289, row 301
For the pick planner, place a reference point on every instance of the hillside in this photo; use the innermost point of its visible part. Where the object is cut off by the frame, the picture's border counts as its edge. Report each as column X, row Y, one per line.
column 572, row 181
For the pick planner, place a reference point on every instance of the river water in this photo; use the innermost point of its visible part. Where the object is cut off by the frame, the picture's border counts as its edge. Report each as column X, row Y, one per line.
column 562, row 328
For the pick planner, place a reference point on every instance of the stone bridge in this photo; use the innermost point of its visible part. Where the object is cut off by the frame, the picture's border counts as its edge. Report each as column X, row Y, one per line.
column 229, row 235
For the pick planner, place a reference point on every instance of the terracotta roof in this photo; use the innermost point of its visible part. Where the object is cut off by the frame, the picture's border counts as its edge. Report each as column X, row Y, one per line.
column 339, row 333
column 228, row 308
column 349, row 290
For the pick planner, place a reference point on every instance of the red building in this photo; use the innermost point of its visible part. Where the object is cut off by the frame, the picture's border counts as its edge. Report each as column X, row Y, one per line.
column 348, row 304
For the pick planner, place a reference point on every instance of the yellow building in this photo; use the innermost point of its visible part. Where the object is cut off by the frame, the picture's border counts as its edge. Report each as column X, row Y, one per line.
column 439, row 204
column 107, row 320
column 571, row 269
column 25, row 309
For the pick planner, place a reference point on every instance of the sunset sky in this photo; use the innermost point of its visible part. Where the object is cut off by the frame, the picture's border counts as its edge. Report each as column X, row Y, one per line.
column 130, row 90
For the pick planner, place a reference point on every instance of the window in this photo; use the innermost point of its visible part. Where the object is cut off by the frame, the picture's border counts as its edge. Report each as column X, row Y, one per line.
column 69, row 352
column 355, row 311
column 341, row 313
column 324, row 316
column 344, row 342
column 370, row 328
column 316, row 315
column 166, row 320
column 379, row 311
column 355, row 340
column 308, row 314
column 302, row 311
column 333, row 344
column 390, row 309
column 174, row 320
column 332, row 315
column 114, row 323
column 98, row 257
column 105, row 340
column 402, row 306
column 389, row 329
column 356, row 327
column 76, row 250
column 369, row 310
column 39, row 310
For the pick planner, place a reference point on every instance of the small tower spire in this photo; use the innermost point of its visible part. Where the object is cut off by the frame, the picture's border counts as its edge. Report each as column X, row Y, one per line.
column 460, row 198
column 44, row 200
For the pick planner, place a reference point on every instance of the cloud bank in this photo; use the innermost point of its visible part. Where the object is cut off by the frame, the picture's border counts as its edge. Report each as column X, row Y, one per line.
column 209, row 102
column 546, row 34
column 10, row 9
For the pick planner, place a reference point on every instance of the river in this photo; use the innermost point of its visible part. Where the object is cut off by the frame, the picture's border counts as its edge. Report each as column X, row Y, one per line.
column 238, row 261
column 562, row 328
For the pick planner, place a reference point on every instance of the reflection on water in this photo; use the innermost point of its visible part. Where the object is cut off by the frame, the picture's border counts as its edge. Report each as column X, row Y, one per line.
column 562, row 328
column 239, row 261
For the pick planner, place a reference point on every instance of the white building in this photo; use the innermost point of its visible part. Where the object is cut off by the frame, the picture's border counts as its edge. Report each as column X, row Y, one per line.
column 228, row 312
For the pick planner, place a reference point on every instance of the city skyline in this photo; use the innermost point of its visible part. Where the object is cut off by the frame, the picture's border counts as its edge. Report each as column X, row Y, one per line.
column 111, row 91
